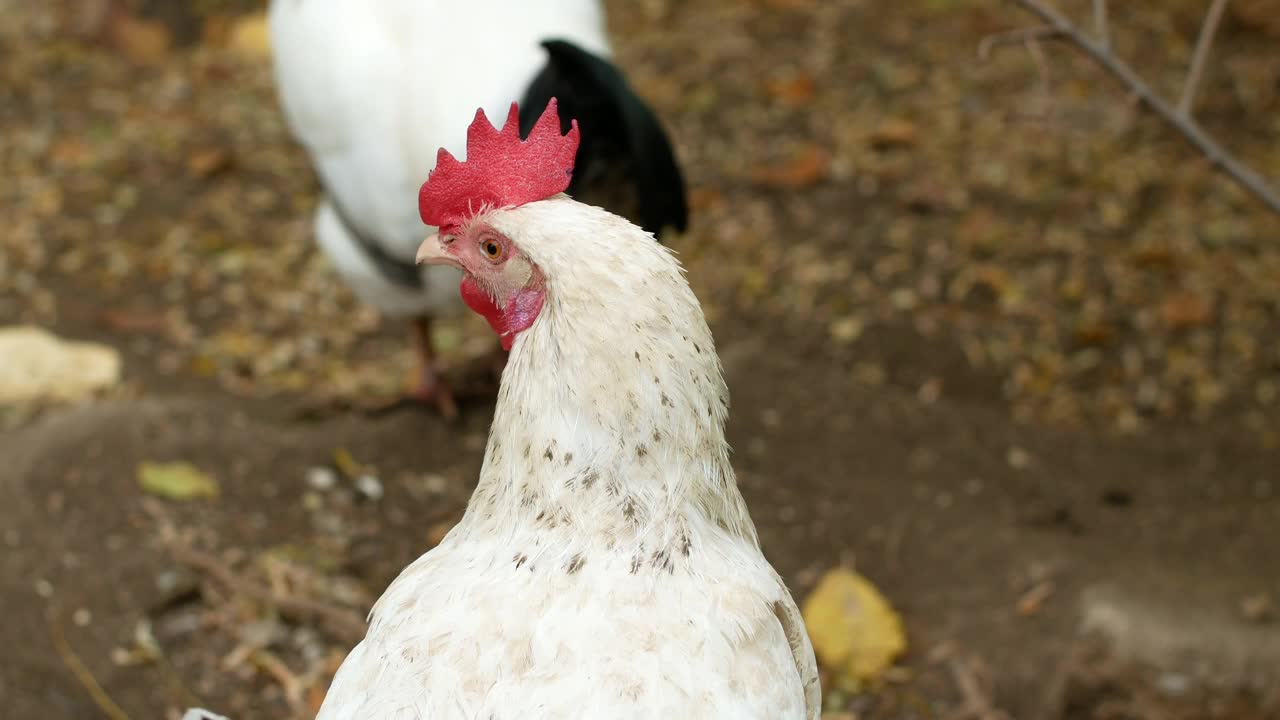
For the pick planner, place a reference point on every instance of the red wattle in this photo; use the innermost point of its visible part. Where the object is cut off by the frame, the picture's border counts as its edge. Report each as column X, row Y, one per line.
column 480, row 302
column 522, row 309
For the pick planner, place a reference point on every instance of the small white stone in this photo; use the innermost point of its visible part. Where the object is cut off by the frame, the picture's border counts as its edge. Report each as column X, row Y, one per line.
column 1174, row 684
column 167, row 581
column 322, row 478
column 1018, row 458
column 81, row 617
column 369, row 486
column 435, row 484
column 44, row 588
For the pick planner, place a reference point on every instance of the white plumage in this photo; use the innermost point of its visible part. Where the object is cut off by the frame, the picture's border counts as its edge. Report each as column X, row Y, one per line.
column 372, row 89
column 606, row 566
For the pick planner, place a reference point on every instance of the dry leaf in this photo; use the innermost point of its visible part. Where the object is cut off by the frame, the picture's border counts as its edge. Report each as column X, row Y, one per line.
column 70, row 152
column 1182, row 310
column 1154, row 256
column 1034, row 599
column 1094, row 333
column 893, row 133
column 140, row 322
column 346, row 463
column 706, row 199
column 40, row 366
column 176, row 481
column 145, row 42
column 808, row 167
column 797, row 89
column 855, row 632
column 207, row 162
column 249, row 36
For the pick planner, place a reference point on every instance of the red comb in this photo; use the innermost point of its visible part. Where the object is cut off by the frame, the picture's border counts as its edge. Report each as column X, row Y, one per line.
column 501, row 170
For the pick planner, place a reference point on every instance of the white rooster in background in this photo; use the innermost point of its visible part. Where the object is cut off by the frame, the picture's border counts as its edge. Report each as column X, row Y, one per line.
column 606, row 566
column 371, row 88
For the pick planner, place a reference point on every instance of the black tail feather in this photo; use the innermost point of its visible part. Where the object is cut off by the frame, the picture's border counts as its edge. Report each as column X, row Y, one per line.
column 622, row 140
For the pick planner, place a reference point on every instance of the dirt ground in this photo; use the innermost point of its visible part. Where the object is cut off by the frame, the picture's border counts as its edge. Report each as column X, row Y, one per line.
column 994, row 336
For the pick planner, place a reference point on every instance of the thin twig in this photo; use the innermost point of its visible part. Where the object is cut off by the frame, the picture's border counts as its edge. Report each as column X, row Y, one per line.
column 1100, row 28
column 1055, row 690
column 1014, row 37
column 1042, row 66
column 976, row 703
column 83, row 674
column 292, row 686
column 1200, row 57
column 345, row 623
column 1213, row 152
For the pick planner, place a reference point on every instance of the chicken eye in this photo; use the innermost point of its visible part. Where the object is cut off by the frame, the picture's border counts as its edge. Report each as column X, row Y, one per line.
column 491, row 248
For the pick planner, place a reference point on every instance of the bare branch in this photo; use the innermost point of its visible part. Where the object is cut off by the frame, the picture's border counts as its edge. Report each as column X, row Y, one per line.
column 77, row 667
column 977, row 703
column 344, row 623
column 1014, row 37
column 1213, row 152
column 1042, row 65
column 1201, row 56
column 1100, row 27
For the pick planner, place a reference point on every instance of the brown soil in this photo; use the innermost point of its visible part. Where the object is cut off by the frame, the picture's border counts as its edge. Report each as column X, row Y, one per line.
column 1084, row 549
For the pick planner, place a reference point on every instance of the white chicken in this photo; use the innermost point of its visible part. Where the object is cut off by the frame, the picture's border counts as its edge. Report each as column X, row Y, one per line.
column 371, row 87
column 606, row 566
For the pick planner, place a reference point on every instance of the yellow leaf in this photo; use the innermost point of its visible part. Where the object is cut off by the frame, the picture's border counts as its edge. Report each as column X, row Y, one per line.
column 37, row 365
column 249, row 36
column 346, row 463
column 855, row 632
column 176, row 481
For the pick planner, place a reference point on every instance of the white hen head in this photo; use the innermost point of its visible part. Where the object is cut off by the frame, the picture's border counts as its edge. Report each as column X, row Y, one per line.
column 611, row 414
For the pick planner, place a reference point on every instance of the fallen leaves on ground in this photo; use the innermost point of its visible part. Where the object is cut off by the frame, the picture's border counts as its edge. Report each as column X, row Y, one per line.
column 795, row 89
column 39, row 366
column 346, row 463
column 176, row 481
column 249, row 36
column 806, row 167
column 146, row 42
column 856, row 633
column 1183, row 310
column 894, row 132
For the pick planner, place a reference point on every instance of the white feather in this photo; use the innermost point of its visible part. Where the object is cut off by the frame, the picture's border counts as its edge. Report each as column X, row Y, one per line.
column 439, row 287
column 606, row 566
column 372, row 88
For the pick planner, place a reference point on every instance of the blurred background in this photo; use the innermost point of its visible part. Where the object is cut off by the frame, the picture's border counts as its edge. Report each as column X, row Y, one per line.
column 1000, row 341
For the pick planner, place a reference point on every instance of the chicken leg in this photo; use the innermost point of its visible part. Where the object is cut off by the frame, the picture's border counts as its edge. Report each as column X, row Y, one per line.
column 427, row 385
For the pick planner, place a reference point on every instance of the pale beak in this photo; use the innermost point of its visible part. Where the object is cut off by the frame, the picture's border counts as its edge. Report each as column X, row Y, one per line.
column 432, row 252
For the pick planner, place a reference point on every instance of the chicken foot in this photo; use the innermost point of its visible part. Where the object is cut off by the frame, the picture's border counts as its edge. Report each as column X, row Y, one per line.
column 428, row 385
